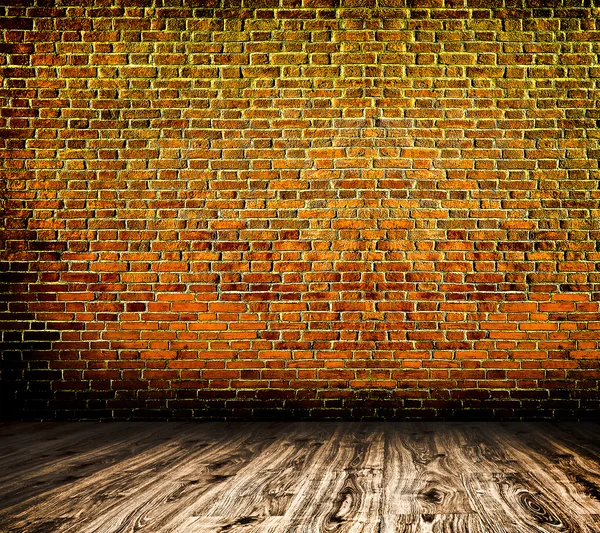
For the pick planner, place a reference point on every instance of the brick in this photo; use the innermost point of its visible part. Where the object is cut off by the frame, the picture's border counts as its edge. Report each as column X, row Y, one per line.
column 302, row 201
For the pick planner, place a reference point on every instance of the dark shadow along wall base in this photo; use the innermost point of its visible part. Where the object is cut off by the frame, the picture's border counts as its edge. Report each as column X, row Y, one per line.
column 300, row 209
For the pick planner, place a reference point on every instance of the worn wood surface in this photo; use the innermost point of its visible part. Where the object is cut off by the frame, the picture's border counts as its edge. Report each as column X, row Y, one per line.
column 276, row 477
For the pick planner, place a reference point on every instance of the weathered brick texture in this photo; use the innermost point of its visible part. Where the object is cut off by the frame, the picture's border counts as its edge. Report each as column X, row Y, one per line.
column 301, row 208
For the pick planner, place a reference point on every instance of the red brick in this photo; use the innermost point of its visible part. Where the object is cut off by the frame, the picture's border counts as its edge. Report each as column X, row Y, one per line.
column 316, row 206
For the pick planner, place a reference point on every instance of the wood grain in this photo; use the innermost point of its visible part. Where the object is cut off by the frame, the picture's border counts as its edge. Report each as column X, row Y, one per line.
column 300, row 477
column 433, row 523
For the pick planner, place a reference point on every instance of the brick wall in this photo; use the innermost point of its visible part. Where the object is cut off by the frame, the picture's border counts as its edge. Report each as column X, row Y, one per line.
column 300, row 208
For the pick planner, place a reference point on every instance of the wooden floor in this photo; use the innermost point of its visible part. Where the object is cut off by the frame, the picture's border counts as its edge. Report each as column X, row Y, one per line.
column 300, row 477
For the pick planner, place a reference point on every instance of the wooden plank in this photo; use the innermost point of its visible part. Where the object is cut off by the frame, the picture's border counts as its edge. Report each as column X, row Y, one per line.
column 118, row 497
column 219, row 524
column 570, row 475
column 45, row 446
column 342, row 488
column 170, row 496
column 422, row 474
column 56, row 462
column 515, row 502
column 433, row 523
column 579, row 437
column 266, row 486
column 248, row 484
column 249, row 498
column 19, row 435
column 477, row 448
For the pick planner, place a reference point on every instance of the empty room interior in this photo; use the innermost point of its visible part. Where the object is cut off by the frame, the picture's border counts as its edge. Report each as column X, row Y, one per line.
column 299, row 266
